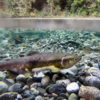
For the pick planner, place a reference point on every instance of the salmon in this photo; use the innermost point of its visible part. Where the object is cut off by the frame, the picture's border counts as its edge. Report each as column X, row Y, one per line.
column 39, row 60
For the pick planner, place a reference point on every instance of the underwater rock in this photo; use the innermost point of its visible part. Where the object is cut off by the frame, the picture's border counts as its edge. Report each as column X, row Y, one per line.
column 3, row 76
column 3, row 87
column 26, row 87
column 39, row 98
column 96, row 65
column 17, row 87
column 41, row 90
column 55, row 88
column 32, row 97
column 10, row 96
column 63, row 82
column 73, row 96
column 63, row 96
column 71, row 71
column 89, row 92
column 34, row 91
column 20, row 78
column 17, row 39
column 9, row 81
column 26, row 93
column 93, row 81
column 35, row 85
column 72, row 87
column 94, row 71
column 97, row 34
column 45, row 81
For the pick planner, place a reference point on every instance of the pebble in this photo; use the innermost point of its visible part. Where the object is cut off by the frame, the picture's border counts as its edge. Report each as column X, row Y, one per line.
column 41, row 90
column 26, row 87
column 3, row 87
column 26, row 93
column 72, row 87
column 89, row 92
column 55, row 88
column 94, row 71
column 39, row 98
column 9, row 81
column 17, row 87
column 20, row 78
column 10, row 96
column 45, row 81
column 35, row 85
column 39, row 75
column 63, row 95
column 73, row 96
column 2, row 76
column 92, row 81
column 71, row 71
column 34, row 91
column 96, row 65
column 61, row 82
column 32, row 97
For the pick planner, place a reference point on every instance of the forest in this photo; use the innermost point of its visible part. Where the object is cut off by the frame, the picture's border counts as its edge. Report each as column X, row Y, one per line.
column 52, row 8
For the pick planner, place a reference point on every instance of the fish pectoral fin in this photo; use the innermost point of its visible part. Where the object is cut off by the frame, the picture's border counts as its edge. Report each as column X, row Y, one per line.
column 54, row 68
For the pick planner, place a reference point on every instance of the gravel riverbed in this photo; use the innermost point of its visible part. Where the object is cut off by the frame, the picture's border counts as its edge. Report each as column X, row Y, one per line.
column 81, row 82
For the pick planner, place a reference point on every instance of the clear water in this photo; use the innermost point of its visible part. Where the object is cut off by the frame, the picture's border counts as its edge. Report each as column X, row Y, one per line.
column 17, row 42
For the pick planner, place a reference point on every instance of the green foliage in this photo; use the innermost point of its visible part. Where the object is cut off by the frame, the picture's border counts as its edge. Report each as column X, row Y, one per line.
column 52, row 8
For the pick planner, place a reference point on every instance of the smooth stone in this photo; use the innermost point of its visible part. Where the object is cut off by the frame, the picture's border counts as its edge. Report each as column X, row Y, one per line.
column 19, row 97
column 3, row 87
column 34, row 91
column 39, row 75
column 55, row 88
column 9, row 81
column 32, row 97
column 17, row 87
column 35, row 85
column 61, row 82
column 71, row 71
column 42, row 91
column 26, row 87
column 26, row 93
column 89, row 92
column 20, row 78
column 93, row 81
column 94, row 71
column 96, row 65
column 39, row 98
column 10, row 96
column 2, row 76
column 63, row 95
column 73, row 96
column 72, row 87
column 60, row 98
column 45, row 81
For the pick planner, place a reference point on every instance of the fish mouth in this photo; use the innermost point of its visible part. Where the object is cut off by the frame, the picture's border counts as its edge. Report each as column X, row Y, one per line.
column 69, row 61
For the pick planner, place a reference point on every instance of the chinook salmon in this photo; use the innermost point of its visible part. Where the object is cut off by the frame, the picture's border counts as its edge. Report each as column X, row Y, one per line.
column 39, row 60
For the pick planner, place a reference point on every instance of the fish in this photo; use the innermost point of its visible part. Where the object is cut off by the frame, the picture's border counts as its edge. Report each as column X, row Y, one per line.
column 39, row 60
